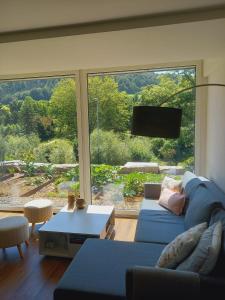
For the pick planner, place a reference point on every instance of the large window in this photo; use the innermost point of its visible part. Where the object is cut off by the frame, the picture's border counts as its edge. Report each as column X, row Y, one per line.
column 72, row 134
column 121, row 163
column 39, row 144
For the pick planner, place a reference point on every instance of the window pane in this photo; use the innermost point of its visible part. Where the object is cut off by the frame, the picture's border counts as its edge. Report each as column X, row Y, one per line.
column 121, row 163
column 38, row 133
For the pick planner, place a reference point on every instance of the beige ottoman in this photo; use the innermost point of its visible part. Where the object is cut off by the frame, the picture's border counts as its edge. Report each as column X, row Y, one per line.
column 38, row 211
column 13, row 232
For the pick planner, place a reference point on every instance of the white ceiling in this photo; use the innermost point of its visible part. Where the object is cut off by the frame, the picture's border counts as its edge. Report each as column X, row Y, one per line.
column 30, row 14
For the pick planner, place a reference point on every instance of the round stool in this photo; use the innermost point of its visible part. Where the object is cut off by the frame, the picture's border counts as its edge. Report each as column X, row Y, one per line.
column 13, row 232
column 38, row 211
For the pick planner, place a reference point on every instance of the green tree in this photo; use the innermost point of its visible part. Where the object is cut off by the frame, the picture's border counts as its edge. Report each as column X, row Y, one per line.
column 108, row 148
column 15, row 106
column 20, row 147
column 63, row 109
column 29, row 116
column 167, row 86
column 5, row 114
column 45, row 126
column 56, row 151
column 173, row 151
column 109, row 109
column 140, row 149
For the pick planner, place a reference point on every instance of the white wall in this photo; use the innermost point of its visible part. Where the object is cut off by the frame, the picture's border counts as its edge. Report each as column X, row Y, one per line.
column 164, row 44
column 215, row 166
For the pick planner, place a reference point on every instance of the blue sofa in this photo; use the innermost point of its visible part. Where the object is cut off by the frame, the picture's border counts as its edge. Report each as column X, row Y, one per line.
column 105, row 269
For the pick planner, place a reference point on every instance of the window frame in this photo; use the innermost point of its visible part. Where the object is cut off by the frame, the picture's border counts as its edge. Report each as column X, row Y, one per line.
column 81, row 78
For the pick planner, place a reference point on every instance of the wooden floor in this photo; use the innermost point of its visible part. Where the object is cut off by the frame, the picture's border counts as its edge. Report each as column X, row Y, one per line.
column 35, row 277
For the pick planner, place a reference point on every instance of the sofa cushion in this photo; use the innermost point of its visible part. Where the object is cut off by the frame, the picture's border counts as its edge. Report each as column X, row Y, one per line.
column 191, row 187
column 216, row 191
column 148, row 204
column 176, row 251
column 187, row 177
column 98, row 270
column 158, row 226
column 203, row 258
column 173, row 201
column 172, row 184
column 218, row 214
column 201, row 204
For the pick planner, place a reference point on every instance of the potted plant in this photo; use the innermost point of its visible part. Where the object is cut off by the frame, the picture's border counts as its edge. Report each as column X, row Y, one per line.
column 80, row 202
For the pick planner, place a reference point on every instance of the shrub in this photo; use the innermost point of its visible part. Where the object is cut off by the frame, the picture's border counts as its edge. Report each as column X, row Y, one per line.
column 21, row 147
column 156, row 145
column 188, row 163
column 169, row 151
column 108, row 148
column 29, row 169
column 140, row 149
column 134, row 182
column 57, row 151
column 103, row 174
column 70, row 175
column 75, row 187
column 49, row 171
column 10, row 129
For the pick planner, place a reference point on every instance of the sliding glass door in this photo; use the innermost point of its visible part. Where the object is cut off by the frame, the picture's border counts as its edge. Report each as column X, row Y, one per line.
column 121, row 163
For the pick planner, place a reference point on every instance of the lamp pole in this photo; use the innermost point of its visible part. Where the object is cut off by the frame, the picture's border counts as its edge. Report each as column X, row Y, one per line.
column 159, row 121
column 191, row 88
column 97, row 112
column 97, row 126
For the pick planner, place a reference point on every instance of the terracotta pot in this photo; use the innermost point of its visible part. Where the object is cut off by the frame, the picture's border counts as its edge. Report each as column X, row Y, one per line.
column 80, row 203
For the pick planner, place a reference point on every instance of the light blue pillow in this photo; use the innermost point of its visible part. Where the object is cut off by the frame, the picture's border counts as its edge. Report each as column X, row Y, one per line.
column 203, row 258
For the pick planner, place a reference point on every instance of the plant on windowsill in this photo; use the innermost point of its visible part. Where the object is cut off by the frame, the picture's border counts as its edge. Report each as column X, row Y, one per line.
column 80, row 202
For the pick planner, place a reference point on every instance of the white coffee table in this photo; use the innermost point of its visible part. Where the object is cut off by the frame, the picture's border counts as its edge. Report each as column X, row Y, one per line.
column 64, row 234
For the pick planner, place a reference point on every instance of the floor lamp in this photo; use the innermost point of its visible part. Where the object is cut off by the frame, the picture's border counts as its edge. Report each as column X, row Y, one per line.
column 158, row 121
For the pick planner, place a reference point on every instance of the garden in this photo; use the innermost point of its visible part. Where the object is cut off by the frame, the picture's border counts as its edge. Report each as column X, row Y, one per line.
column 109, row 185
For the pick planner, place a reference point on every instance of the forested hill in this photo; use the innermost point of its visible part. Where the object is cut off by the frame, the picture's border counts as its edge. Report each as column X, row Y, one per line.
column 38, row 89
column 132, row 83
column 41, row 89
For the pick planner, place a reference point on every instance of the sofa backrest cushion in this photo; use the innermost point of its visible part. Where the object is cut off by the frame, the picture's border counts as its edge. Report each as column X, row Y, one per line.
column 218, row 214
column 204, row 257
column 187, row 177
column 201, row 204
column 191, row 187
column 190, row 182
column 219, row 194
